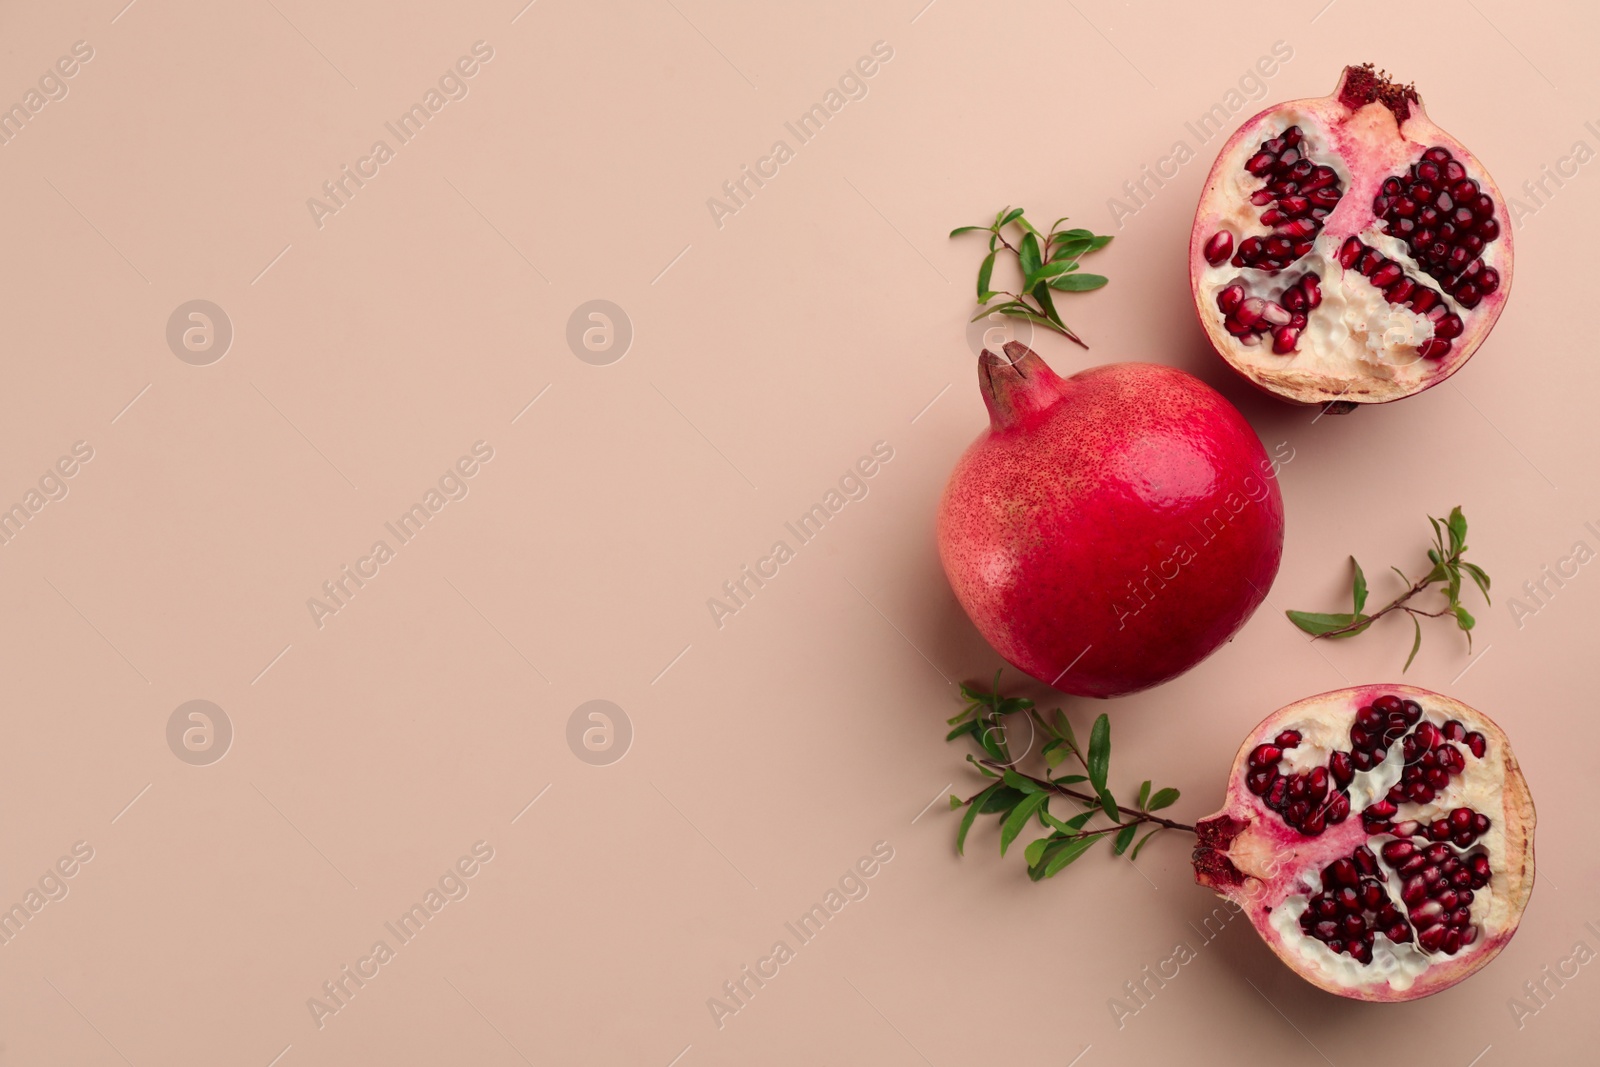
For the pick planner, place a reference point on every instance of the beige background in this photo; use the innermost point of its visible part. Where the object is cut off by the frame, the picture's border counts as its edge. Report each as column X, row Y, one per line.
column 768, row 354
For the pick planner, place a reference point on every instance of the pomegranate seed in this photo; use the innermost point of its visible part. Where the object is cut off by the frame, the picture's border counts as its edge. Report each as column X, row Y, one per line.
column 1454, row 731
column 1431, row 939
column 1261, row 162
column 1397, row 852
column 1449, row 327
column 1467, row 295
column 1297, row 321
column 1275, row 314
column 1428, row 171
column 1399, row 291
column 1478, row 743
column 1362, row 759
column 1414, row 892
column 1273, row 216
column 1313, row 289
column 1488, row 280
column 1229, row 299
column 1265, row 755
column 1433, row 348
column 1314, row 824
column 1262, row 197
column 1258, row 780
column 1339, row 767
column 1488, row 229
column 1480, row 823
column 1349, row 251
column 1250, row 311
column 1424, row 299
column 1370, row 260
column 1407, row 828
column 1219, row 248
column 1387, row 274
column 1405, row 207
column 1437, row 154
column 1294, row 299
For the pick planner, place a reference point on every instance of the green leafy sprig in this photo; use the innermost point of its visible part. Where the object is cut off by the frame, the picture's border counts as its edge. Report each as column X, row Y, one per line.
column 1047, row 260
column 1017, row 799
column 1446, row 555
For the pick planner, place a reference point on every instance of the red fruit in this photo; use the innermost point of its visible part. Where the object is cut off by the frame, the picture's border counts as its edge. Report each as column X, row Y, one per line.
column 1364, row 913
column 1413, row 229
column 1086, row 532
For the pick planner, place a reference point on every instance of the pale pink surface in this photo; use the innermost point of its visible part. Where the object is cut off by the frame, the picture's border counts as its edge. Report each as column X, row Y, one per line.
column 779, row 748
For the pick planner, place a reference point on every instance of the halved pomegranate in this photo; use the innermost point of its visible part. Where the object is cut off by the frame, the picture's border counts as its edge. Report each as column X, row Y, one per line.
column 1380, row 839
column 1346, row 250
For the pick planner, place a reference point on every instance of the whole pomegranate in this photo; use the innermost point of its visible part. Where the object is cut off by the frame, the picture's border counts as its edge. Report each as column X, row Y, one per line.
column 1109, row 530
column 1346, row 249
column 1379, row 838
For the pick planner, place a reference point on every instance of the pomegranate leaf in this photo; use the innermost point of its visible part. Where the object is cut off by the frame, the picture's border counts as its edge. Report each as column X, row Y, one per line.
column 1164, row 798
column 1317, row 624
column 1035, row 851
column 1135, row 853
column 1360, row 592
column 1078, row 283
column 1019, row 818
column 1479, row 577
column 984, row 273
column 1063, row 853
column 1047, row 261
column 1100, row 752
column 1144, row 795
column 1108, row 804
column 1028, row 256
column 1125, row 838
column 1416, row 644
column 973, row 807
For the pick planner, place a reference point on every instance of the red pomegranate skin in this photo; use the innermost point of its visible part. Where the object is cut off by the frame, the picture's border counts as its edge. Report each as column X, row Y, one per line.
column 1109, row 530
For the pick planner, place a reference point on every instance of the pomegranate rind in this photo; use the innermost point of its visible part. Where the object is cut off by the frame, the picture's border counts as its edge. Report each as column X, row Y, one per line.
column 1248, row 855
column 1110, row 530
column 1387, row 143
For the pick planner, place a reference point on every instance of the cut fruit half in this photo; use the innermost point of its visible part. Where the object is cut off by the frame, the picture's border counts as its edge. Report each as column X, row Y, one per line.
column 1348, row 251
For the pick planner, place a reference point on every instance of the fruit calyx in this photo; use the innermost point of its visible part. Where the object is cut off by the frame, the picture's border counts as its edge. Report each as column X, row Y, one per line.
column 1364, row 84
column 1016, row 386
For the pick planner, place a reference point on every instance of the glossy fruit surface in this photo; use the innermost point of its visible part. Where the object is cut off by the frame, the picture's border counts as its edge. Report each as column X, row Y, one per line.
column 1109, row 530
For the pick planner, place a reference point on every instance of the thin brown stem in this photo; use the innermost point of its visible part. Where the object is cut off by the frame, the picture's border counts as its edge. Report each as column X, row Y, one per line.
column 1398, row 603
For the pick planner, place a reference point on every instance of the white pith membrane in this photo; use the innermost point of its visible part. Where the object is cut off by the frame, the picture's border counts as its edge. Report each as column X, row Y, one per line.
column 1355, row 346
column 1275, row 870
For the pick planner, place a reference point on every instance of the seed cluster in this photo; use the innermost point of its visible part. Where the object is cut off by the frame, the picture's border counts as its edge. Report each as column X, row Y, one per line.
column 1296, row 197
column 1437, row 881
column 1252, row 319
column 1446, row 220
column 1400, row 288
column 1437, row 890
